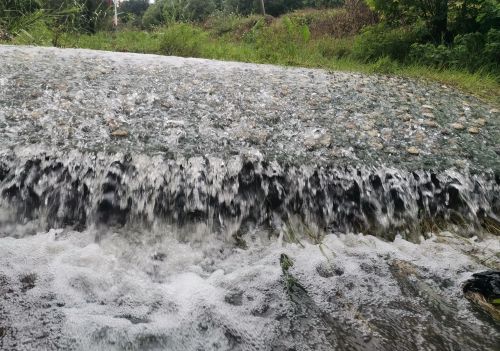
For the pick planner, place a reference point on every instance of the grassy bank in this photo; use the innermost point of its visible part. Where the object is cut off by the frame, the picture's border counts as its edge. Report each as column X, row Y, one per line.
column 294, row 40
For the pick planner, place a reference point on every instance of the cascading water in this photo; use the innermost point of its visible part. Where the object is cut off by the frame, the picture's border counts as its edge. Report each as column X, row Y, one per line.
column 75, row 189
column 157, row 203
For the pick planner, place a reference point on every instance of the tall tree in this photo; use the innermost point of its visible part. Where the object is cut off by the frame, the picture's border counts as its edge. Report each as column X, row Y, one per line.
column 433, row 12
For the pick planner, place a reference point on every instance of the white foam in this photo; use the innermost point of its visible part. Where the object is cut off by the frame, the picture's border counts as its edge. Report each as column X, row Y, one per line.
column 154, row 292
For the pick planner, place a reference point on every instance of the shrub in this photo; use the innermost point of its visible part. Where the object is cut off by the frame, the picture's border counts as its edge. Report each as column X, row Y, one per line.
column 279, row 7
column 354, row 16
column 17, row 15
column 380, row 41
column 492, row 49
column 384, row 65
column 242, row 7
column 187, row 10
column 430, row 55
column 132, row 10
column 466, row 51
column 283, row 41
column 236, row 26
column 170, row 11
column 153, row 15
column 339, row 22
column 331, row 48
column 37, row 34
column 182, row 39
column 322, row 3
column 472, row 51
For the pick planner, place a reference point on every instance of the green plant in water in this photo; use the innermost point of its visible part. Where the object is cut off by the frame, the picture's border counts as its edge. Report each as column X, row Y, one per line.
column 290, row 282
column 291, row 234
column 286, row 263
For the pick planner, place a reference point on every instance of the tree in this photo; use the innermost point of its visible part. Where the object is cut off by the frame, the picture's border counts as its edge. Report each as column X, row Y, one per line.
column 134, row 7
column 132, row 11
column 435, row 13
column 401, row 12
column 279, row 7
column 153, row 16
column 271, row 7
column 94, row 12
column 443, row 18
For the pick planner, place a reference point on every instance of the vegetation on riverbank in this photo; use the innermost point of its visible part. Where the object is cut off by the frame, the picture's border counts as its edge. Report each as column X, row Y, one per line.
column 345, row 35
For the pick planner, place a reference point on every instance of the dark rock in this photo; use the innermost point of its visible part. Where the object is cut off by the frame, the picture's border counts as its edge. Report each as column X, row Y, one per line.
column 486, row 283
column 159, row 256
column 234, row 298
column 28, row 281
column 133, row 319
column 327, row 270
column 483, row 290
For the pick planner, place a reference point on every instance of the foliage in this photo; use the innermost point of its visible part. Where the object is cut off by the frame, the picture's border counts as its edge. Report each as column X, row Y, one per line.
column 279, row 7
column 187, row 10
column 131, row 11
column 430, row 54
column 93, row 14
column 380, row 41
column 26, row 16
column 334, row 49
column 322, row 3
column 273, row 7
column 385, row 65
column 492, row 47
column 39, row 34
column 240, row 7
column 19, row 15
column 444, row 19
column 170, row 11
column 472, row 51
column 135, row 7
column 199, row 10
column 124, row 40
column 235, row 25
column 285, row 39
column 468, row 16
column 183, row 40
column 339, row 22
column 153, row 16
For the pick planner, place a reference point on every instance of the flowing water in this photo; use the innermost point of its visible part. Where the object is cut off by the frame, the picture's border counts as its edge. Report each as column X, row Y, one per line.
column 160, row 203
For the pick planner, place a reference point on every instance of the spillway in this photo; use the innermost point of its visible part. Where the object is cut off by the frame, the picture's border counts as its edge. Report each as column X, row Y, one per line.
column 164, row 203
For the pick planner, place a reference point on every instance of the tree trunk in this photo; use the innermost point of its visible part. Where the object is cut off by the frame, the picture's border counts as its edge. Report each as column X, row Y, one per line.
column 262, row 7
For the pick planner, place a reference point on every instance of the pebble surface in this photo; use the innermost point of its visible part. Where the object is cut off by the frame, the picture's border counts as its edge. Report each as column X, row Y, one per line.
column 120, row 102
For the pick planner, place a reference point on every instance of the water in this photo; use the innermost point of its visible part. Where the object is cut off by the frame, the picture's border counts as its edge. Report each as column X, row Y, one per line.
column 233, row 196
column 76, row 99
column 144, row 290
column 152, row 203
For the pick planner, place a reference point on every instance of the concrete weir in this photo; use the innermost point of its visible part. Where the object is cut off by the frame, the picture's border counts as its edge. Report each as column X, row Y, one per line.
column 165, row 203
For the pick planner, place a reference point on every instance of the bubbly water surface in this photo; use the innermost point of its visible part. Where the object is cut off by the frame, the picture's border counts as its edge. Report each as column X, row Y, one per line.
column 115, row 290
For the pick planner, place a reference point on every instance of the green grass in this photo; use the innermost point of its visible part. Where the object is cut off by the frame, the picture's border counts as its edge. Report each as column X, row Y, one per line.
column 485, row 86
column 123, row 41
column 252, row 40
